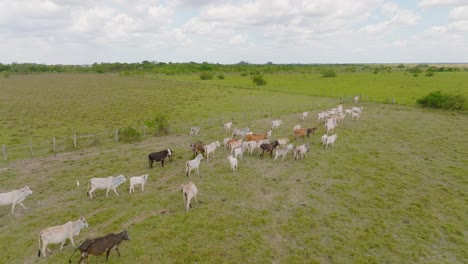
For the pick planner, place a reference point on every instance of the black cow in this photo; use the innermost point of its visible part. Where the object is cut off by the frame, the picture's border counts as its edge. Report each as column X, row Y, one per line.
column 268, row 147
column 159, row 156
column 97, row 246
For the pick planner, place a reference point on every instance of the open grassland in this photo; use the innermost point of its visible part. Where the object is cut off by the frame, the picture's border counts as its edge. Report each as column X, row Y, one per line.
column 381, row 87
column 392, row 190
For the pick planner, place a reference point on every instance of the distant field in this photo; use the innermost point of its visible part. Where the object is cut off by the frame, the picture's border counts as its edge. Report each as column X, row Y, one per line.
column 381, row 87
column 392, row 190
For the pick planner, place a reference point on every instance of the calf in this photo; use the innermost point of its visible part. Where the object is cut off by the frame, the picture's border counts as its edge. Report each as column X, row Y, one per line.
column 160, row 156
column 59, row 234
column 283, row 152
column 138, row 180
column 193, row 165
column 268, row 147
column 108, row 183
column 15, row 197
column 97, row 246
column 233, row 162
column 189, row 191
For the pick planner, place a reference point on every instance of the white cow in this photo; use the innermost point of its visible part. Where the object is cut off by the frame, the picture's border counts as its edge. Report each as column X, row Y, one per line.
column 276, row 124
column 283, row 152
column 233, row 162
column 138, row 180
column 298, row 126
column 282, row 141
column 194, row 130
column 189, row 191
column 304, row 115
column 356, row 99
column 355, row 115
column 210, row 148
column 239, row 152
column 301, row 151
column 59, row 234
column 108, row 183
column 193, row 165
column 227, row 126
column 357, row 109
column 15, row 197
column 331, row 140
column 324, row 139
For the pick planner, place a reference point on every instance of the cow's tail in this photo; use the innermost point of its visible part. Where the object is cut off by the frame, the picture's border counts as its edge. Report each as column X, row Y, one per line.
column 39, row 252
column 69, row 260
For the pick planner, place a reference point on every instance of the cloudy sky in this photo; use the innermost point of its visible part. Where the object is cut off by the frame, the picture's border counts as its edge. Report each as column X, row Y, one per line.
column 228, row 31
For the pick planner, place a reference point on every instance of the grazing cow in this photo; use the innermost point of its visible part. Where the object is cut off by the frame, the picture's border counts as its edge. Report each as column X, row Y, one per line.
column 194, row 131
column 302, row 132
column 138, row 180
column 250, row 146
column 268, row 147
column 256, row 137
column 15, row 197
column 193, row 165
column 97, row 246
column 330, row 125
column 227, row 127
column 159, row 156
column 304, row 115
column 197, row 148
column 331, row 140
column 234, row 143
column 59, row 234
column 108, row 183
column 301, row 151
column 276, row 124
column 283, row 141
column 283, row 152
column 189, row 191
column 233, row 162
column 210, row 148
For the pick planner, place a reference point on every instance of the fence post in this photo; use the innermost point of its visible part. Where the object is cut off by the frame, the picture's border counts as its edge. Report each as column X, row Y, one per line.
column 117, row 135
column 54, row 144
column 31, row 148
column 393, row 100
column 5, row 156
column 74, row 140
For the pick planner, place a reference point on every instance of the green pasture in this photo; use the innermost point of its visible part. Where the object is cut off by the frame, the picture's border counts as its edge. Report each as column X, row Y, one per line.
column 381, row 87
column 393, row 189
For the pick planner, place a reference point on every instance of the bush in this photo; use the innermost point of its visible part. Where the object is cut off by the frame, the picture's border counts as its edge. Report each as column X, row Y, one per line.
column 328, row 73
column 129, row 135
column 442, row 100
column 258, row 80
column 158, row 123
column 206, row 76
column 220, row 76
column 429, row 73
column 244, row 73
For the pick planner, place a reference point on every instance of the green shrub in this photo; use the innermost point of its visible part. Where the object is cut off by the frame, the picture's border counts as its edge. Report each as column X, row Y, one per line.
column 429, row 73
column 442, row 100
column 129, row 135
column 258, row 80
column 158, row 123
column 206, row 76
column 328, row 73
column 244, row 73
column 220, row 76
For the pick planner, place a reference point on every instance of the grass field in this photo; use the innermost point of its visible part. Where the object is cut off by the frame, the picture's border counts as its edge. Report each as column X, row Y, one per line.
column 392, row 190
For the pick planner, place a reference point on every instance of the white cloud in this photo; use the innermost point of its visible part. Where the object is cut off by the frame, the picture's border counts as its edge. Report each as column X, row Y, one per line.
column 396, row 17
column 434, row 3
column 459, row 13
column 238, row 39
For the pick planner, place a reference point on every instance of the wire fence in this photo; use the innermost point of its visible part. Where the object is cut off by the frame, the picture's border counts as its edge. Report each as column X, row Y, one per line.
column 76, row 141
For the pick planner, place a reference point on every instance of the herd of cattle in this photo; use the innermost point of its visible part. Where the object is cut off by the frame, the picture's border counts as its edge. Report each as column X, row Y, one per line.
column 241, row 141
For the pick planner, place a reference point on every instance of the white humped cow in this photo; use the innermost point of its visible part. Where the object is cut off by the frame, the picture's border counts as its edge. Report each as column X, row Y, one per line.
column 138, row 180
column 108, row 183
column 15, row 197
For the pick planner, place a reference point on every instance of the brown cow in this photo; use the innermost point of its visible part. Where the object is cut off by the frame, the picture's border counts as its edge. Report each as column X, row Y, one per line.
column 268, row 147
column 302, row 132
column 99, row 245
column 256, row 137
column 198, row 148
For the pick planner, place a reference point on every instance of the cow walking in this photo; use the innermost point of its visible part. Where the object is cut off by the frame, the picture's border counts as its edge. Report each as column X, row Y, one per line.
column 97, row 246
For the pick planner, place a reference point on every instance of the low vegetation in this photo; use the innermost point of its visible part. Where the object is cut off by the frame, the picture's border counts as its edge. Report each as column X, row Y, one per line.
column 392, row 189
column 442, row 100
